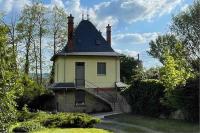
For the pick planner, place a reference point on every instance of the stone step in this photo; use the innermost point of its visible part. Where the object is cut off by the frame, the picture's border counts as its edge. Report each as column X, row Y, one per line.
column 110, row 98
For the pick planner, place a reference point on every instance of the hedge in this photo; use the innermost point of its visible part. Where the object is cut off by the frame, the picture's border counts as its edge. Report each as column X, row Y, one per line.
column 144, row 97
column 187, row 99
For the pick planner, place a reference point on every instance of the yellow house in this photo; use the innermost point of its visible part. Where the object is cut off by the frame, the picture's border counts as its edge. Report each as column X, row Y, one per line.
column 87, row 72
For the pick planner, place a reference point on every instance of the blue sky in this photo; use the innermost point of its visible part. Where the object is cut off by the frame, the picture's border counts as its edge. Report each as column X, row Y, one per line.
column 134, row 22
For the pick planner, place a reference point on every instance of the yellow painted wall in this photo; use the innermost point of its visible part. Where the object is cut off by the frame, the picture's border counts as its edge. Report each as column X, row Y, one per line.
column 65, row 70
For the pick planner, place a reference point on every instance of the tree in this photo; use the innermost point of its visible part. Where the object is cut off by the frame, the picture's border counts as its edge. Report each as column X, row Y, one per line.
column 127, row 67
column 138, row 73
column 186, row 25
column 9, row 81
column 173, row 73
column 12, row 37
column 58, row 19
column 42, row 30
column 161, row 44
column 11, row 26
column 153, row 73
column 25, row 28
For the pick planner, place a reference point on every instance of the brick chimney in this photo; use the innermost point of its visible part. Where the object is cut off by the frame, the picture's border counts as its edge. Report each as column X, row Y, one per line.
column 108, row 34
column 70, row 31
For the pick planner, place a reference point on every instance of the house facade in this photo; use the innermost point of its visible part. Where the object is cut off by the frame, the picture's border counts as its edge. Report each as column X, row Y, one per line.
column 87, row 72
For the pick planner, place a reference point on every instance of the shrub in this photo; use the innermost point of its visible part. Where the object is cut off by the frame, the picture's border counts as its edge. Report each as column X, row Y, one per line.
column 24, row 115
column 186, row 98
column 60, row 120
column 144, row 97
column 31, row 91
column 27, row 126
column 66, row 120
column 43, row 102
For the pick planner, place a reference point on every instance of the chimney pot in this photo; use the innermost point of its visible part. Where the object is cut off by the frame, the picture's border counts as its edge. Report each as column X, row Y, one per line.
column 108, row 34
column 70, row 31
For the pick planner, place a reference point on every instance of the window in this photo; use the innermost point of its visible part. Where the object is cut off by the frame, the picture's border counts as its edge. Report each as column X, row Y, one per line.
column 79, row 98
column 101, row 68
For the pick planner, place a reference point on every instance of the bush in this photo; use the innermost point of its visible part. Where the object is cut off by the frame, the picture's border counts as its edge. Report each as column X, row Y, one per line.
column 31, row 91
column 61, row 120
column 25, row 115
column 186, row 98
column 66, row 120
column 27, row 126
column 144, row 97
column 43, row 102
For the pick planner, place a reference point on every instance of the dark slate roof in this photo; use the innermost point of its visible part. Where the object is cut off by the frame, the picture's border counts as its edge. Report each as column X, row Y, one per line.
column 87, row 38
column 58, row 86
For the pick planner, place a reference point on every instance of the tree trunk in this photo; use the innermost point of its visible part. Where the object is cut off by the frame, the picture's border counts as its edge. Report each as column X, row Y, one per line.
column 27, row 64
column 54, row 43
column 40, row 54
column 36, row 64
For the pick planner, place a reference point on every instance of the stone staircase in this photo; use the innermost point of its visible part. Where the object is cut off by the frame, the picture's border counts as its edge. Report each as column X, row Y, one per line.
column 116, row 108
column 113, row 98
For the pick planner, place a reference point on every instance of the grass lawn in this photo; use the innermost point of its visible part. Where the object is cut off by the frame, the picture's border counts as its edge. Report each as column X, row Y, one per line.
column 116, row 128
column 163, row 125
column 72, row 130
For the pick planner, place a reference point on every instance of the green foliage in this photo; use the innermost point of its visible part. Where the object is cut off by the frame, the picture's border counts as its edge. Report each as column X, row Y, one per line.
column 144, row 97
column 52, row 74
column 173, row 73
column 161, row 44
column 30, row 92
column 10, row 81
column 127, row 65
column 65, row 120
column 58, row 19
column 186, row 98
column 186, row 26
column 59, row 120
column 37, row 120
column 25, row 115
column 153, row 73
column 27, row 126
column 43, row 102
column 138, row 73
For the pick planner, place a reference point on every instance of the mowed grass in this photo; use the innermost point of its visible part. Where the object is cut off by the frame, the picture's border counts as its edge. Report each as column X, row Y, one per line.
column 117, row 129
column 163, row 125
column 72, row 130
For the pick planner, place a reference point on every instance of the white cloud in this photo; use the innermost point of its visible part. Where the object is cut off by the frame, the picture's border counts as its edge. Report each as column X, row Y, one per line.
column 131, row 53
column 135, row 10
column 111, row 12
column 133, row 38
column 58, row 3
column 7, row 6
column 114, row 11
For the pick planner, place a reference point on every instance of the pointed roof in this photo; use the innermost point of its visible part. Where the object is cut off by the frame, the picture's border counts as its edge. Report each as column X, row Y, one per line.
column 87, row 40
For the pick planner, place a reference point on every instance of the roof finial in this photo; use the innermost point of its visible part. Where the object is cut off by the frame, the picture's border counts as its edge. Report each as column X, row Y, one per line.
column 87, row 15
column 82, row 15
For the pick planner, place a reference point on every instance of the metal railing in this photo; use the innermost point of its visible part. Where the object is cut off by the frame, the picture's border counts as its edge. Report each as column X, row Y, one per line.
column 111, row 99
column 80, row 83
